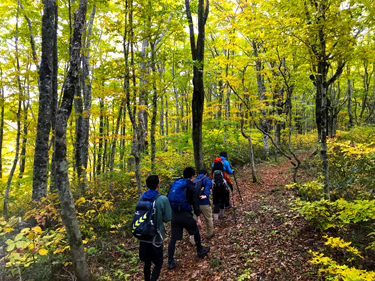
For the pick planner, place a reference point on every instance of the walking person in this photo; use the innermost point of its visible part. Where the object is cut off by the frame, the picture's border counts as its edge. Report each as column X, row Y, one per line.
column 204, row 185
column 182, row 196
column 227, row 169
column 220, row 189
column 148, row 223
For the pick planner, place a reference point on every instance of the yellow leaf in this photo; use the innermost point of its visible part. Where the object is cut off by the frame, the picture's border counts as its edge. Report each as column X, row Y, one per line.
column 67, row 263
column 31, row 236
column 43, row 252
column 37, row 229
column 9, row 229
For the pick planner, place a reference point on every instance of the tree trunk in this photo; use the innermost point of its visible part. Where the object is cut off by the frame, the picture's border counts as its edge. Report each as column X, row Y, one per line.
column 251, row 152
column 365, row 87
column 143, row 103
column 1, row 128
column 78, row 108
column 349, row 92
column 101, row 136
column 45, row 103
column 86, row 90
column 262, row 97
column 68, row 212
column 114, row 142
column 197, row 51
column 54, row 104
column 24, row 142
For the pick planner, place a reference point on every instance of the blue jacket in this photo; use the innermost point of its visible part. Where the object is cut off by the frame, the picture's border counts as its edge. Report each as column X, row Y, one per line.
column 226, row 165
column 207, row 189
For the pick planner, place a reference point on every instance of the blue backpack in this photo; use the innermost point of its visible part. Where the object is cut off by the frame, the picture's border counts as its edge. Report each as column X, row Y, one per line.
column 177, row 195
column 143, row 221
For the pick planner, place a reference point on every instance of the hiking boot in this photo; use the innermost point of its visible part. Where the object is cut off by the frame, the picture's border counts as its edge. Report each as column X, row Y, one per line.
column 221, row 216
column 203, row 252
column 172, row 265
column 216, row 223
column 228, row 207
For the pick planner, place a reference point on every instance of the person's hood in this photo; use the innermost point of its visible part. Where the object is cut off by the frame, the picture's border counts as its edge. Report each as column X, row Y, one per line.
column 183, row 180
column 222, row 158
column 199, row 177
column 149, row 194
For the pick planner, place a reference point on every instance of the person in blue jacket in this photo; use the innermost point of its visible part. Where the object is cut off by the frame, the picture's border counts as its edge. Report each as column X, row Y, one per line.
column 205, row 205
column 227, row 169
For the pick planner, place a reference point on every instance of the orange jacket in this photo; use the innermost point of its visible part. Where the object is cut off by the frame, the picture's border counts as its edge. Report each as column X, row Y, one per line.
column 226, row 177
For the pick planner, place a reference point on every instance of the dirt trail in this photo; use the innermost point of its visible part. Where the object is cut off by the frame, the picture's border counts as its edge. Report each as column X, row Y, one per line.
column 260, row 238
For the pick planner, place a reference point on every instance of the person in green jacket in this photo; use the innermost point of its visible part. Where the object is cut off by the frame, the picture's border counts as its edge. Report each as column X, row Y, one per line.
column 149, row 252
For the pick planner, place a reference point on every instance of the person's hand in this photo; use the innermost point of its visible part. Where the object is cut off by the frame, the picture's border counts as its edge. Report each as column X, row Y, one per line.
column 233, row 171
column 203, row 197
column 199, row 222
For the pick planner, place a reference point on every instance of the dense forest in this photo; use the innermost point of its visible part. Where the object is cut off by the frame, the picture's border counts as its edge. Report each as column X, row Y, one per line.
column 97, row 95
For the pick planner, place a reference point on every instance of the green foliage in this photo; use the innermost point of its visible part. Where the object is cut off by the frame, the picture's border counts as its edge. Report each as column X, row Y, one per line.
column 339, row 214
column 310, row 191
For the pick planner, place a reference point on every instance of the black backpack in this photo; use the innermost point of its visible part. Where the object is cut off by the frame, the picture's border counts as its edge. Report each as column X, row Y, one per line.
column 218, row 181
column 143, row 226
column 199, row 185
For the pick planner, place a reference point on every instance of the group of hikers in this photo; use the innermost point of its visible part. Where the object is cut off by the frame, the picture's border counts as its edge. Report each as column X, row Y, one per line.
column 187, row 204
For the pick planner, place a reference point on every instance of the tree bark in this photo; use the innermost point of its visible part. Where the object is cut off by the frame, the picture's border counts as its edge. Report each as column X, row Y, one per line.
column 101, row 135
column 197, row 51
column 251, row 152
column 1, row 128
column 262, row 97
column 86, row 91
column 68, row 212
column 54, row 105
column 349, row 92
column 24, row 141
column 41, row 158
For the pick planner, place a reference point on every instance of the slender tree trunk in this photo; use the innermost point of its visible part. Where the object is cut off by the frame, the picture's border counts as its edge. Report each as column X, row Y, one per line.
column 105, row 144
column 123, row 143
column 365, row 87
column 114, row 143
column 197, row 51
column 251, row 152
column 24, row 141
column 262, row 97
column 78, row 108
column 101, row 137
column 1, row 128
column 142, row 113
column 86, row 90
column 68, row 211
column 54, row 104
column 350, row 98
column 41, row 158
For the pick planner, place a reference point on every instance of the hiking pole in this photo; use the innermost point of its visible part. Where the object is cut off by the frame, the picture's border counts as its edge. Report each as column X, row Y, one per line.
column 234, row 175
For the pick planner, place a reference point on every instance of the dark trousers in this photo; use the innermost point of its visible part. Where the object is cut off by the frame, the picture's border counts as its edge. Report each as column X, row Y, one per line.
column 150, row 254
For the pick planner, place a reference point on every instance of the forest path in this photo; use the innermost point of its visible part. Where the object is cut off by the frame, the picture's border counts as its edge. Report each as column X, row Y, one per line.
column 261, row 237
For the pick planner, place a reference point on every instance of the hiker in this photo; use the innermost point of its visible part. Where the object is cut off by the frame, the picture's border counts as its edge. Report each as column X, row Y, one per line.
column 220, row 189
column 151, row 250
column 181, row 196
column 204, row 185
column 227, row 169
